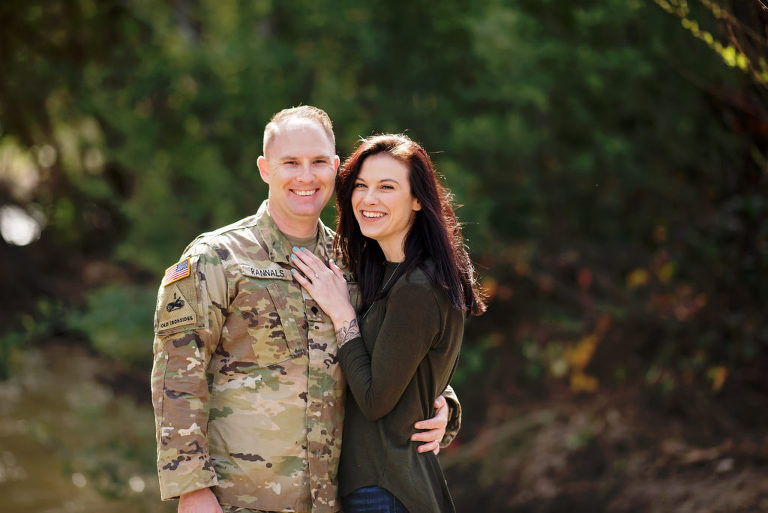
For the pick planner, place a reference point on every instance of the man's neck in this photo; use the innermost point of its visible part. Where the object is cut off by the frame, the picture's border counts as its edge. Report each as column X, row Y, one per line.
column 310, row 243
column 298, row 228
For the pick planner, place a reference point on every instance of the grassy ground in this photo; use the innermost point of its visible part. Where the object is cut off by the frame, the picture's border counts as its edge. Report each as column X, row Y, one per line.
column 69, row 443
column 77, row 435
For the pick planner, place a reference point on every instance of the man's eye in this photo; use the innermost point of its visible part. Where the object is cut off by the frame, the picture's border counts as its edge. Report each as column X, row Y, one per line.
column 320, row 162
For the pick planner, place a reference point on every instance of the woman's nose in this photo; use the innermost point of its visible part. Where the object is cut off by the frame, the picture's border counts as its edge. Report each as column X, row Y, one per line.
column 370, row 196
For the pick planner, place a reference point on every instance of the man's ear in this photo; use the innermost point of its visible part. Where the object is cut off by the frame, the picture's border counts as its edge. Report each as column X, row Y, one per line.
column 263, row 168
column 336, row 162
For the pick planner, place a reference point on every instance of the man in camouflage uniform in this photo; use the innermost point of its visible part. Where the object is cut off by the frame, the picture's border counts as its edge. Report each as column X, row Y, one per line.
column 247, row 392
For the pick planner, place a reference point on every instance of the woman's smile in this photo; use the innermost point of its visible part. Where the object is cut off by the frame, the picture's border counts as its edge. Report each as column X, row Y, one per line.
column 383, row 204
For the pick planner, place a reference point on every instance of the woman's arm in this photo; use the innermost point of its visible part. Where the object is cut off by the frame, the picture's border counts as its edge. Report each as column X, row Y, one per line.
column 410, row 324
column 412, row 320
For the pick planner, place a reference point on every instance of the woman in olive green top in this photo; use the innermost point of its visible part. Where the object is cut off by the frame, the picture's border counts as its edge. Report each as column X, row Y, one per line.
column 397, row 228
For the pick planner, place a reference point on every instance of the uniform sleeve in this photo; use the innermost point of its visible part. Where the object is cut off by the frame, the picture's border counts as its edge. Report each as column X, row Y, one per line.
column 454, row 416
column 378, row 381
column 189, row 316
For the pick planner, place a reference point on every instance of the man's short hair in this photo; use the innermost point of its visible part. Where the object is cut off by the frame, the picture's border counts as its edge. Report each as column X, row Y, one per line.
column 301, row 112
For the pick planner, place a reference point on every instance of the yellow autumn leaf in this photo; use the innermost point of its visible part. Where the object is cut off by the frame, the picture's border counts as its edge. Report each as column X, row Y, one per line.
column 718, row 375
column 666, row 272
column 637, row 278
column 489, row 286
column 742, row 62
column 581, row 382
column 580, row 355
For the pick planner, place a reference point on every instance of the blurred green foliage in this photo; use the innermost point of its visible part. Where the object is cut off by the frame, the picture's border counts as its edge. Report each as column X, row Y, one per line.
column 44, row 320
column 611, row 162
column 605, row 158
column 117, row 319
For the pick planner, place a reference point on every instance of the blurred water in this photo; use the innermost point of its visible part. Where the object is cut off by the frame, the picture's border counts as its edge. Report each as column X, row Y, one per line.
column 69, row 444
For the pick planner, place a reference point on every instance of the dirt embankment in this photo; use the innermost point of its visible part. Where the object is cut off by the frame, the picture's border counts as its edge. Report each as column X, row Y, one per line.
column 620, row 452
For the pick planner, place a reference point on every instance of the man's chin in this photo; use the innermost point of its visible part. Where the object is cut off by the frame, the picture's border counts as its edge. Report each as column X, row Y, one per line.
column 306, row 210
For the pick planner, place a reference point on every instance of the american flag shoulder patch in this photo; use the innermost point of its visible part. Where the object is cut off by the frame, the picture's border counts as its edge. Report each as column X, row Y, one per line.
column 176, row 272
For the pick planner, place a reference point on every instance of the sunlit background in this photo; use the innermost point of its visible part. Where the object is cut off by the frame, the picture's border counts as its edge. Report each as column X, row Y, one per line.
column 610, row 157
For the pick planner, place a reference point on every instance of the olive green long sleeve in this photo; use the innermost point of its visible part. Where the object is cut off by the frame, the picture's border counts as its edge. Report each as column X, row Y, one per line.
column 402, row 361
column 410, row 326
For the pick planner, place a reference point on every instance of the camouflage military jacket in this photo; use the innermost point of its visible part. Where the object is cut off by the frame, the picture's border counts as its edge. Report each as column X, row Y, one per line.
column 248, row 395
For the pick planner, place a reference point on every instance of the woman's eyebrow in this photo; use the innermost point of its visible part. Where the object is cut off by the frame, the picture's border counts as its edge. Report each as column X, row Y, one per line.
column 358, row 179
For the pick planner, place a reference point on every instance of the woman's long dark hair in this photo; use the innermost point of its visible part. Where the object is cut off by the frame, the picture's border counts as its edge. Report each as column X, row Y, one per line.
column 435, row 233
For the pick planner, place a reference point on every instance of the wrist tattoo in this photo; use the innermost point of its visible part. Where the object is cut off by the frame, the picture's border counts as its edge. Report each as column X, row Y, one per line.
column 347, row 332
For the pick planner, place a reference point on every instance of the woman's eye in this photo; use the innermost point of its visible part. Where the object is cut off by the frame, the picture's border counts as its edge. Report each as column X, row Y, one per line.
column 359, row 186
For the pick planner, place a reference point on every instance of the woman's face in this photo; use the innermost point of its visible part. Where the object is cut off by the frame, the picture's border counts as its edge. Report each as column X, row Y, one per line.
column 383, row 204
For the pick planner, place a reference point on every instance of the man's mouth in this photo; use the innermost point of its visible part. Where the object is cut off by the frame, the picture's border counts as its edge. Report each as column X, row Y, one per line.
column 299, row 192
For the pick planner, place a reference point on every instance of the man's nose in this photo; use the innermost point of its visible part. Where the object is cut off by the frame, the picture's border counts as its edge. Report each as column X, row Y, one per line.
column 305, row 172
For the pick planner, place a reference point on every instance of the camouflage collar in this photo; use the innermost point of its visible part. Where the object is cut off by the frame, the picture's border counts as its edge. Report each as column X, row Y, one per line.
column 278, row 246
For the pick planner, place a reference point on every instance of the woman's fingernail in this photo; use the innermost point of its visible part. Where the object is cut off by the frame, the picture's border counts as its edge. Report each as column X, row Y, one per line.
column 295, row 248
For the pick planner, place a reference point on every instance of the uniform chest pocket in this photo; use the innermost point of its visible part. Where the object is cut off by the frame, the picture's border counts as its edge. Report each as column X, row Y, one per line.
column 265, row 324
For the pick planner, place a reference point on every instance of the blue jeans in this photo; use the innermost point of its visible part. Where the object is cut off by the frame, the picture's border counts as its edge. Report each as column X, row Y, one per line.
column 372, row 499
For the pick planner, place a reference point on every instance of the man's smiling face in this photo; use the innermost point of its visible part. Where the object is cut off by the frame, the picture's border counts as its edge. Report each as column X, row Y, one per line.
column 300, row 167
